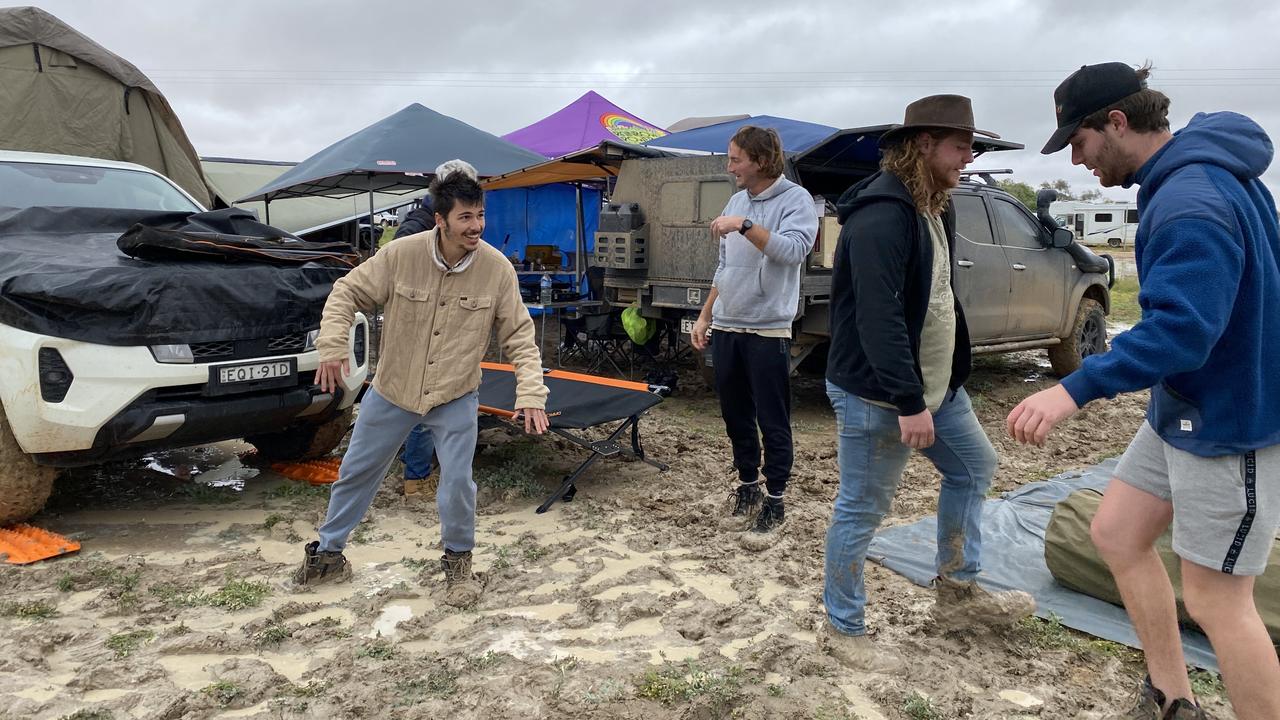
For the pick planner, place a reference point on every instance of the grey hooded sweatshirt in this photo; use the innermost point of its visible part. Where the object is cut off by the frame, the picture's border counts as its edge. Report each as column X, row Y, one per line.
column 761, row 290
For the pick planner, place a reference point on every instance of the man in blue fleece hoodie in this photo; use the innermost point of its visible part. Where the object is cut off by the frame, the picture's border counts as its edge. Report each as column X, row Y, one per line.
column 765, row 233
column 1207, row 459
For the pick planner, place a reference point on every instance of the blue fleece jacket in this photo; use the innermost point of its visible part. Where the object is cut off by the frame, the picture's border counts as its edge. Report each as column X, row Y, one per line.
column 1208, row 343
column 761, row 290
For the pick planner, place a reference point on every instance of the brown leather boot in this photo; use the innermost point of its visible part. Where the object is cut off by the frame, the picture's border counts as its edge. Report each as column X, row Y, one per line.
column 462, row 587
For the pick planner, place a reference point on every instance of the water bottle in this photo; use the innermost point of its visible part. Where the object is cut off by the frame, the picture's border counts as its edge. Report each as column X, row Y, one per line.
column 544, row 296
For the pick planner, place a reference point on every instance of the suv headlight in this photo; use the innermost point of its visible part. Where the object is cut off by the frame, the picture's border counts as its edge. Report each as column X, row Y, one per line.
column 173, row 353
column 312, row 336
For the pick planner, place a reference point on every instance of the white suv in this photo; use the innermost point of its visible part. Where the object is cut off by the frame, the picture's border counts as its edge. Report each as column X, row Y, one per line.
column 103, row 355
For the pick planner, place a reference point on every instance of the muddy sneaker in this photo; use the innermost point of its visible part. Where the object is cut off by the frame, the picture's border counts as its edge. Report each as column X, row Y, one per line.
column 746, row 499
column 462, row 587
column 961, row 603
column 1151, row 700
column 858, row 652
column 322, row 566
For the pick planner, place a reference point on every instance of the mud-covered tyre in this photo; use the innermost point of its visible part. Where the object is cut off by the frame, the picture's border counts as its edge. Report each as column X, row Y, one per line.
column 1088, row 337
column 303, row 442
column 24, row 485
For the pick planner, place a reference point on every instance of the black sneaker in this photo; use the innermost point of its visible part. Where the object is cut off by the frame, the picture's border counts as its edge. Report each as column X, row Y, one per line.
column 1151, row 699
column 746, row 499
column 771, row 516
column 321, row 567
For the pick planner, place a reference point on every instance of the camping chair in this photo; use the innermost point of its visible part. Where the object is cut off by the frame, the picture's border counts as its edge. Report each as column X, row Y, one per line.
column 596, row 335
column 577, row 402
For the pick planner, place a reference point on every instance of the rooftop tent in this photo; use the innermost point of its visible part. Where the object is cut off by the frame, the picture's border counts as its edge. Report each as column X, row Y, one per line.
column 61, row 92
column 797, row 135
column 398, row 155
column 693, row 123
column 231, row 178
column 585, row 122
column 825, row 168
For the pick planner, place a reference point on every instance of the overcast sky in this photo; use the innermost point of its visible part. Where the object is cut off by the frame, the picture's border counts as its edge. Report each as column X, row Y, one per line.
column 278, row 80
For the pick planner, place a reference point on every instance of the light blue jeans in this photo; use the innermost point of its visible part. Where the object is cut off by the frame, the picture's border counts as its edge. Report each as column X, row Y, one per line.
column 871, row 458
column 381, row 427
column 416, row 453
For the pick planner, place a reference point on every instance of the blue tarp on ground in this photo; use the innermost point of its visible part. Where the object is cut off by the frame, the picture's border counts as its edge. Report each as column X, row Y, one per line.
column 1013, row 532
column 797, row 135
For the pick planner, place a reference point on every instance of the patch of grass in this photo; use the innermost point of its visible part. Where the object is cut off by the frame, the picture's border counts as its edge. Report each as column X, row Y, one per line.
column 530, row 550
column 66, row 583
column 1049, row 634
column 828, row 712
column 208, row 494
column 272, row 520
column 33, row 610
column 440, row 683
column 919, row 707
column 1206, row 684
column 313, row 688
column 606, row 692
column 378, row 650
column 222, row 692
column 179, row 629
column 116, row 578
column 298, row 489
column 238, row 595
column 485, row 661
column 517, row 475
column 775, row 690
column 501, row 557
column 419, row 564
column 175, row 595
column 1124, row 302
column 125, row 644
column 674, row 683
column 98, row 714
column 273, row 634
column 360, row 536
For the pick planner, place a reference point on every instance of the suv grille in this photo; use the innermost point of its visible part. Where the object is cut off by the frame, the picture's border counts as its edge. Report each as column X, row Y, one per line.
column 223, row 350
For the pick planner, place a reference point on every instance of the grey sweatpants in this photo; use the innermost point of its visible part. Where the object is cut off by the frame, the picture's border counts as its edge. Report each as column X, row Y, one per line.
column 381, row 428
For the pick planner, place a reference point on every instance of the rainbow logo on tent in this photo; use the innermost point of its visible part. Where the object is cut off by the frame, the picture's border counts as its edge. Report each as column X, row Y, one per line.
column 629, row 129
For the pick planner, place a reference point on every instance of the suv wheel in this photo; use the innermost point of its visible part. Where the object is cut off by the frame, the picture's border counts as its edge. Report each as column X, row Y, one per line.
column 303, row 442
column 1088, row 337
column 24, row 485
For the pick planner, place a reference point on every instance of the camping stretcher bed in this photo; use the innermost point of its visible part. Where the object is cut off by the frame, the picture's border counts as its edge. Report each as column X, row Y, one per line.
column 577, row 402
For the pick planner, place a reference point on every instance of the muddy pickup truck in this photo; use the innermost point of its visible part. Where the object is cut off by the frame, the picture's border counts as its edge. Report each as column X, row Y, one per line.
column 1023, row 281
column 105, row 354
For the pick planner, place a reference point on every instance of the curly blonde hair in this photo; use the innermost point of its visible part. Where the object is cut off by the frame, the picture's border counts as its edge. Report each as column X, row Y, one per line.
column 906, row 161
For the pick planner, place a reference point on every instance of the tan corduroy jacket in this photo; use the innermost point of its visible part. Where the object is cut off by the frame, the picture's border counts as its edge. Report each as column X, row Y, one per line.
column 436, row 323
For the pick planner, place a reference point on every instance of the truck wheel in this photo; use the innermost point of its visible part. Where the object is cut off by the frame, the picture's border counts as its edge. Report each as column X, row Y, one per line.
column 1088, row 337
column 24, row 485
column 303, row 442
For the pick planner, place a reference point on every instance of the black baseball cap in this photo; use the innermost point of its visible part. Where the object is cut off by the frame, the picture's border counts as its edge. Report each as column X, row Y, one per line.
column 1086, row 91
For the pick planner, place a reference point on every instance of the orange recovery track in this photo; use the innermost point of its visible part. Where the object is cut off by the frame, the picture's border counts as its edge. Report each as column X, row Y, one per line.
column 316, row 472
column 22, row 544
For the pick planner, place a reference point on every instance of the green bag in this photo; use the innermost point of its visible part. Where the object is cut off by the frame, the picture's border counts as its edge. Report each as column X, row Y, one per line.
column 639, row 328
column 1074, row 561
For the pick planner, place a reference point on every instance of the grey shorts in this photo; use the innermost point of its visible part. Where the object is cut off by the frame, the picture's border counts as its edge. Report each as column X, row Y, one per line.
column 1225, row 509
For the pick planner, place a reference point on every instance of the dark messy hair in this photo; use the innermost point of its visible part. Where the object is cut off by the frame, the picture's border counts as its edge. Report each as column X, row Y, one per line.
column 456, row 188
column 1147, row 109
column 762, row 146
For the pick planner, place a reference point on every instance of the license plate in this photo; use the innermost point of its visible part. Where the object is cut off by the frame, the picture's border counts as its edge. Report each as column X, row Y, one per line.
column 243, row 377
column 686, row 326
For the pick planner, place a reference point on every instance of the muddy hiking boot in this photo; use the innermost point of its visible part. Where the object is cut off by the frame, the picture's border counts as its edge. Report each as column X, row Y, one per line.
column 746, row 499
column 1151, row 706
column 322, row 566
column 962, row 603
column 858, row 652
column 771, row 516
column 462, row 587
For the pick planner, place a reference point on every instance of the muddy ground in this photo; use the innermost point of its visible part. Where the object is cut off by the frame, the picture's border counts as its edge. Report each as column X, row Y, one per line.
column 636, row 600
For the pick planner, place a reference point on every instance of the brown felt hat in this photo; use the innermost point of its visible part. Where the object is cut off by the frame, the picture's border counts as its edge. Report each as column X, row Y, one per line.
column 954, row 112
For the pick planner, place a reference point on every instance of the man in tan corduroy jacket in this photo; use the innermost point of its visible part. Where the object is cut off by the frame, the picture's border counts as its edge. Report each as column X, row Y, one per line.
column 443, row 291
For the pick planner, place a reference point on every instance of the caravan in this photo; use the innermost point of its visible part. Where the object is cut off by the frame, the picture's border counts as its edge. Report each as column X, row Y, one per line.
column 1113, row 224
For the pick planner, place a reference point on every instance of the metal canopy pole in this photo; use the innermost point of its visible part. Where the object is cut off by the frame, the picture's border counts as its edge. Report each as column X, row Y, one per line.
column 267, row 201
column 581, row 240
column 373, row 242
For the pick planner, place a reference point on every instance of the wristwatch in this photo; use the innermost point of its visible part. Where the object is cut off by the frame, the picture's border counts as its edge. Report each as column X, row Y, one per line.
column 746, row 225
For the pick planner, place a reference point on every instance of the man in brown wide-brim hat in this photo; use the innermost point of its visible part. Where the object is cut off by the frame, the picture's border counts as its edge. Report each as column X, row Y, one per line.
column 895, row 372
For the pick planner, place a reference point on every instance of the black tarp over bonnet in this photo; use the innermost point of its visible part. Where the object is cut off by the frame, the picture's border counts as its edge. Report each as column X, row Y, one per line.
column 62, row 274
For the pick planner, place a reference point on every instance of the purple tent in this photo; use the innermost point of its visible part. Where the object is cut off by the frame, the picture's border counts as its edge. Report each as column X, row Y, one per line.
column 583, row 123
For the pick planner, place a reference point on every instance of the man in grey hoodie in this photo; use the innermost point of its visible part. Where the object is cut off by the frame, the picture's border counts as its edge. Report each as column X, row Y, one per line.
column 765, row 233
